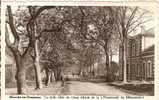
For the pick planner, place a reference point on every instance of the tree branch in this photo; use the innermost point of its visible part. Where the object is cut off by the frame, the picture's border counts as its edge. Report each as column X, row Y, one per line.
column 135, row 21
column 11, row 24
column 41, row 9
column 7, row 40
column 137, row 26
column 131, row 17
column 31, row 21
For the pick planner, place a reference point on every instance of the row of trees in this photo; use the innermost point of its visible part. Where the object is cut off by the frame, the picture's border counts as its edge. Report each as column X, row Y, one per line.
column 49, row 35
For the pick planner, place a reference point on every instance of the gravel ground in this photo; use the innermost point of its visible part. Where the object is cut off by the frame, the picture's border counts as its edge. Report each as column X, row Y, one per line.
column 74, row 88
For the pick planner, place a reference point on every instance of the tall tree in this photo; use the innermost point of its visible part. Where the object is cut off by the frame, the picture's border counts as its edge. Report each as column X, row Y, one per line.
column 19, row 58
column 21, row 55
column 97, row 25
column 128, row 19
column 32, row 28
column 35, row 35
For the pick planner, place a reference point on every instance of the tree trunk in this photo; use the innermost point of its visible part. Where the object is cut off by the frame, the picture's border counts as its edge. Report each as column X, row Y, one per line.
column 107, row 63
column 124, row 61
column 20, row 74
column 59, row 74
column 111, row 59
column 37, row 77
column 37, row 66
column 13, row 73
column 107, row 66
column 55, row 74
column 47, row 77
column 52, row 77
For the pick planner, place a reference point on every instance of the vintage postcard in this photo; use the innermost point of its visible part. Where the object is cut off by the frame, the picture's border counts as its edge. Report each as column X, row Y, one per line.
column 79, row 50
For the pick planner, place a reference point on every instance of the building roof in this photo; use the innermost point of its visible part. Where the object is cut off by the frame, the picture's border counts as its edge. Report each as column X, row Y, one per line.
column 148, row 33
column 149, row 50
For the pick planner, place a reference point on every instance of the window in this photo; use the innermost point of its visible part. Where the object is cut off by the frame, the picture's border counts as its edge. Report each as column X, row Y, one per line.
column 143, row 70
column 133, row 49
column 138, row 70
column 127, row 68
column 133, row 70
column 149, row 69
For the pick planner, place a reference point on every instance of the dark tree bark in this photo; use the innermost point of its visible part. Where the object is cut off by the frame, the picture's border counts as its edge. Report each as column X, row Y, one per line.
column 48, row 77
column 20, row 74
column 59, row 74
column 107, row 62
column 122, row 62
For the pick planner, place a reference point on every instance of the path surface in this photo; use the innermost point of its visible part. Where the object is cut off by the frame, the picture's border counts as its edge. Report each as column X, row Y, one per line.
column 52, row 89
column 88, row 88
column 75, row 88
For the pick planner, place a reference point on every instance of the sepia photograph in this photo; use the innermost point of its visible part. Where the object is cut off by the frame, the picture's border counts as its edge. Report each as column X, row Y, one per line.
column 79, row 50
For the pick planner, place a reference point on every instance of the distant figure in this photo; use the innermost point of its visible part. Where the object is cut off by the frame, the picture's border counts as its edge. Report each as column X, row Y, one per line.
column 62, row 79
column 73, row 74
